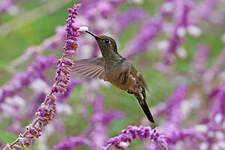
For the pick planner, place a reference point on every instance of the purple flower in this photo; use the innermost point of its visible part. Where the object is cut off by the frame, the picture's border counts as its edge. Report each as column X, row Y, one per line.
column 148, row 32
column 99, row 121
column 123, row 140
column 72, row 142
column 15, row 127
column 179, row 31
column 36, row 102
column 201, row 57
column 203, row 10
column 173, row 109
column 172, row 106
column 1, row 144
column 54, row 41
column 167, row 8
column 64, row 64
column 174, row 136
column 217, row 68
column 106, row 8
column 21, row 80
column 218, row 108
column 100, row 115
column 129, row 16
column 5, row 5
column 47, row 111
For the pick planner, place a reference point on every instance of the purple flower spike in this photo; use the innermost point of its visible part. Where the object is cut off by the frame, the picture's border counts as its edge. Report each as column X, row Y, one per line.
column 5, row 5
column 147, row 33
column 64, row 64
column 175, row 136
column 100, row 115
column 216, row 69
column 204, row 10
column 174, row 104
column 201, row 56
column 218, row 108
column 1, row 144
column 72, row 142
column 179, row 31
column 47, row 111
column 131, row 15
column 21, row 80
column 128, row 135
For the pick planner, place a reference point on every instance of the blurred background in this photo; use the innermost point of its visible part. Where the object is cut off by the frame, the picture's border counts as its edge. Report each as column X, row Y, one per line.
column 174, row 44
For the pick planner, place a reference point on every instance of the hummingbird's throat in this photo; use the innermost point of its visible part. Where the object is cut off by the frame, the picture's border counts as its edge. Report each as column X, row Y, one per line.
column 111, row 59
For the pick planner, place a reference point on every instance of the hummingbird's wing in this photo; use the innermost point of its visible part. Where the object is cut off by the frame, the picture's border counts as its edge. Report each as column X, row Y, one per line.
column 90, row 68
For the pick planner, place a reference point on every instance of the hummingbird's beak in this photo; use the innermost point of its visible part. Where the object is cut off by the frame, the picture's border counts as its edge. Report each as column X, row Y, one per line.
column 94, row 35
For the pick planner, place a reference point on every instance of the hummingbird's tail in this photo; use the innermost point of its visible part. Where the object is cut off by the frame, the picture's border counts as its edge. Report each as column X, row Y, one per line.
column 142, row 101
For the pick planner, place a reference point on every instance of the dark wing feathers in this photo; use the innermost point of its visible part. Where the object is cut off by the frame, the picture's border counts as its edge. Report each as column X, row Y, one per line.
column 89, row 68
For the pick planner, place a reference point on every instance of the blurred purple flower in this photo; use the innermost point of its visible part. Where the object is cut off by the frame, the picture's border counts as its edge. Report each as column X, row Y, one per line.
column 173, row 110
column 148, row 32
column 203, row 10
column 59, row 126
column 97, row 130
column 5, row 5
column 1, row 144
column 21, row 80
column 219, row 104
column 179, row 30
column 106, row 8
column 217, row 68
column 56, row 40
column 15, row 127
column 213, row 131
column 99, row 121
column 129, row 16
column 100, row 115
column 72, row 142
column 177, row 135
column 167, row 8
column 201, row 57
column 172, row 106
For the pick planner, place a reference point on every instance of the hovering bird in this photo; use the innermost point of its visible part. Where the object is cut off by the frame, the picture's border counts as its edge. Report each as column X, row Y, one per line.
column 112, row 67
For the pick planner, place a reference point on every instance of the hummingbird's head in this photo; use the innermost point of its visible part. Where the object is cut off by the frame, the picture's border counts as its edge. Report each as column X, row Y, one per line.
column 105, row 43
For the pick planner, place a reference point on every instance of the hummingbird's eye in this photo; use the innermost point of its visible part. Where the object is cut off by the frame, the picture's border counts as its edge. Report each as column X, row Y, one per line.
column 107, row 41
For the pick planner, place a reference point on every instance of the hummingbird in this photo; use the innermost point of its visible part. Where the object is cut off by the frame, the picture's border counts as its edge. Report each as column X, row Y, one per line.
column 112, row 67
